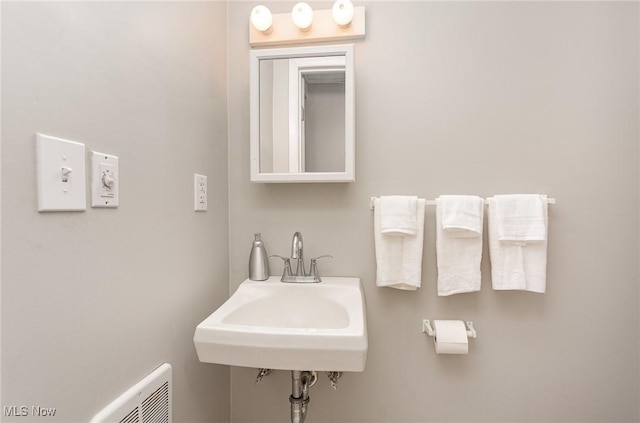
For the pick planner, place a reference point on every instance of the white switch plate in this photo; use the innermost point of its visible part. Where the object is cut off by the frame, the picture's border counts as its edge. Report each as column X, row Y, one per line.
column 105, row 180
column 199, row 192
column 60, row 174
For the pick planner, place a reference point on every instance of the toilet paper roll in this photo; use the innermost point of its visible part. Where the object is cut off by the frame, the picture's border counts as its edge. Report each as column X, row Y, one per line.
column 451, row 337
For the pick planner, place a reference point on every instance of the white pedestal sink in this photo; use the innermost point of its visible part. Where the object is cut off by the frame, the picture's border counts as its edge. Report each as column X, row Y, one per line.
column 288, row 326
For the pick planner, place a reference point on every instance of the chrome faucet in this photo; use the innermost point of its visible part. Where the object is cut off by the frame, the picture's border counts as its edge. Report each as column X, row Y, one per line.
column 297, row 254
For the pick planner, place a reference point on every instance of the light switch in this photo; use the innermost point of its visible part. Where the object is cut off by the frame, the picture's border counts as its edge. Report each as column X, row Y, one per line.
column 104, row 180
column 60, row 174
column 200, row 192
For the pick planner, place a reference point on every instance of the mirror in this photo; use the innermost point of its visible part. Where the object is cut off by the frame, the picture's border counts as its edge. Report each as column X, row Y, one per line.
column 302, row 114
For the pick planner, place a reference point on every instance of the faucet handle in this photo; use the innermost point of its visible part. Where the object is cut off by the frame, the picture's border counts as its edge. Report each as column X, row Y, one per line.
column 321, row 257
column 314, row 264
column 287, row 264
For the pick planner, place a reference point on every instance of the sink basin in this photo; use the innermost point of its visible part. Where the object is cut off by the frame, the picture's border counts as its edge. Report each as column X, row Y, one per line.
column 288, row 326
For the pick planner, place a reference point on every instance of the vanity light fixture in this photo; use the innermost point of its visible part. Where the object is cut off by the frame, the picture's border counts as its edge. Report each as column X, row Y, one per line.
column 302, row 16
column 261, row 19
column 342, row 12
column 304, row 25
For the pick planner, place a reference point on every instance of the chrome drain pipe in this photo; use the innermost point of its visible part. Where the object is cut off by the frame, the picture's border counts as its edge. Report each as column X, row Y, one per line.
column 299, row 399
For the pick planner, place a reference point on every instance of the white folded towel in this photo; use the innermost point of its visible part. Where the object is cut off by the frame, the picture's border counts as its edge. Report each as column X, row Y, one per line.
column 461, row 214
column 520, row 264
column 459, row 220
column 398, row 215
column 399, row 259
column 521, row 217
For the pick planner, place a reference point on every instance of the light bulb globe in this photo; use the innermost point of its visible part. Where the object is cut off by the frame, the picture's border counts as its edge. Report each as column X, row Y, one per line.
column 261, row 18
column 342, row 12
column 302, row 16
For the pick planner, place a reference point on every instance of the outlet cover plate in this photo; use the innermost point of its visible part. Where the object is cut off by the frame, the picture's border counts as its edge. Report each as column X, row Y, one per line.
column 200, row 192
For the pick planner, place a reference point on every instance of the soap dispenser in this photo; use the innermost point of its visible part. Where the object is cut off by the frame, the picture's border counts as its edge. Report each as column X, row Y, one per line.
column 258, row 261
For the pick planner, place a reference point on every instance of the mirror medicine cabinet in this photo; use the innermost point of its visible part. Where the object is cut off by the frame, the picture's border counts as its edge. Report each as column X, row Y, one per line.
column 302, row 114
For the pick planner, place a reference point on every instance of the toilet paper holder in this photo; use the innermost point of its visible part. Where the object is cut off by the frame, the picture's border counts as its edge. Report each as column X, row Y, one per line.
column 428, row 329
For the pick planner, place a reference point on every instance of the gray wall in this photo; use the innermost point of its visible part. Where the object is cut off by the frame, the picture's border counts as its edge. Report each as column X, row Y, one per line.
column 94, row 301
column 480, row 98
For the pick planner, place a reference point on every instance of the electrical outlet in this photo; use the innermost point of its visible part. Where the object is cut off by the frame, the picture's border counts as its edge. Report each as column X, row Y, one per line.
column 200, row 192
